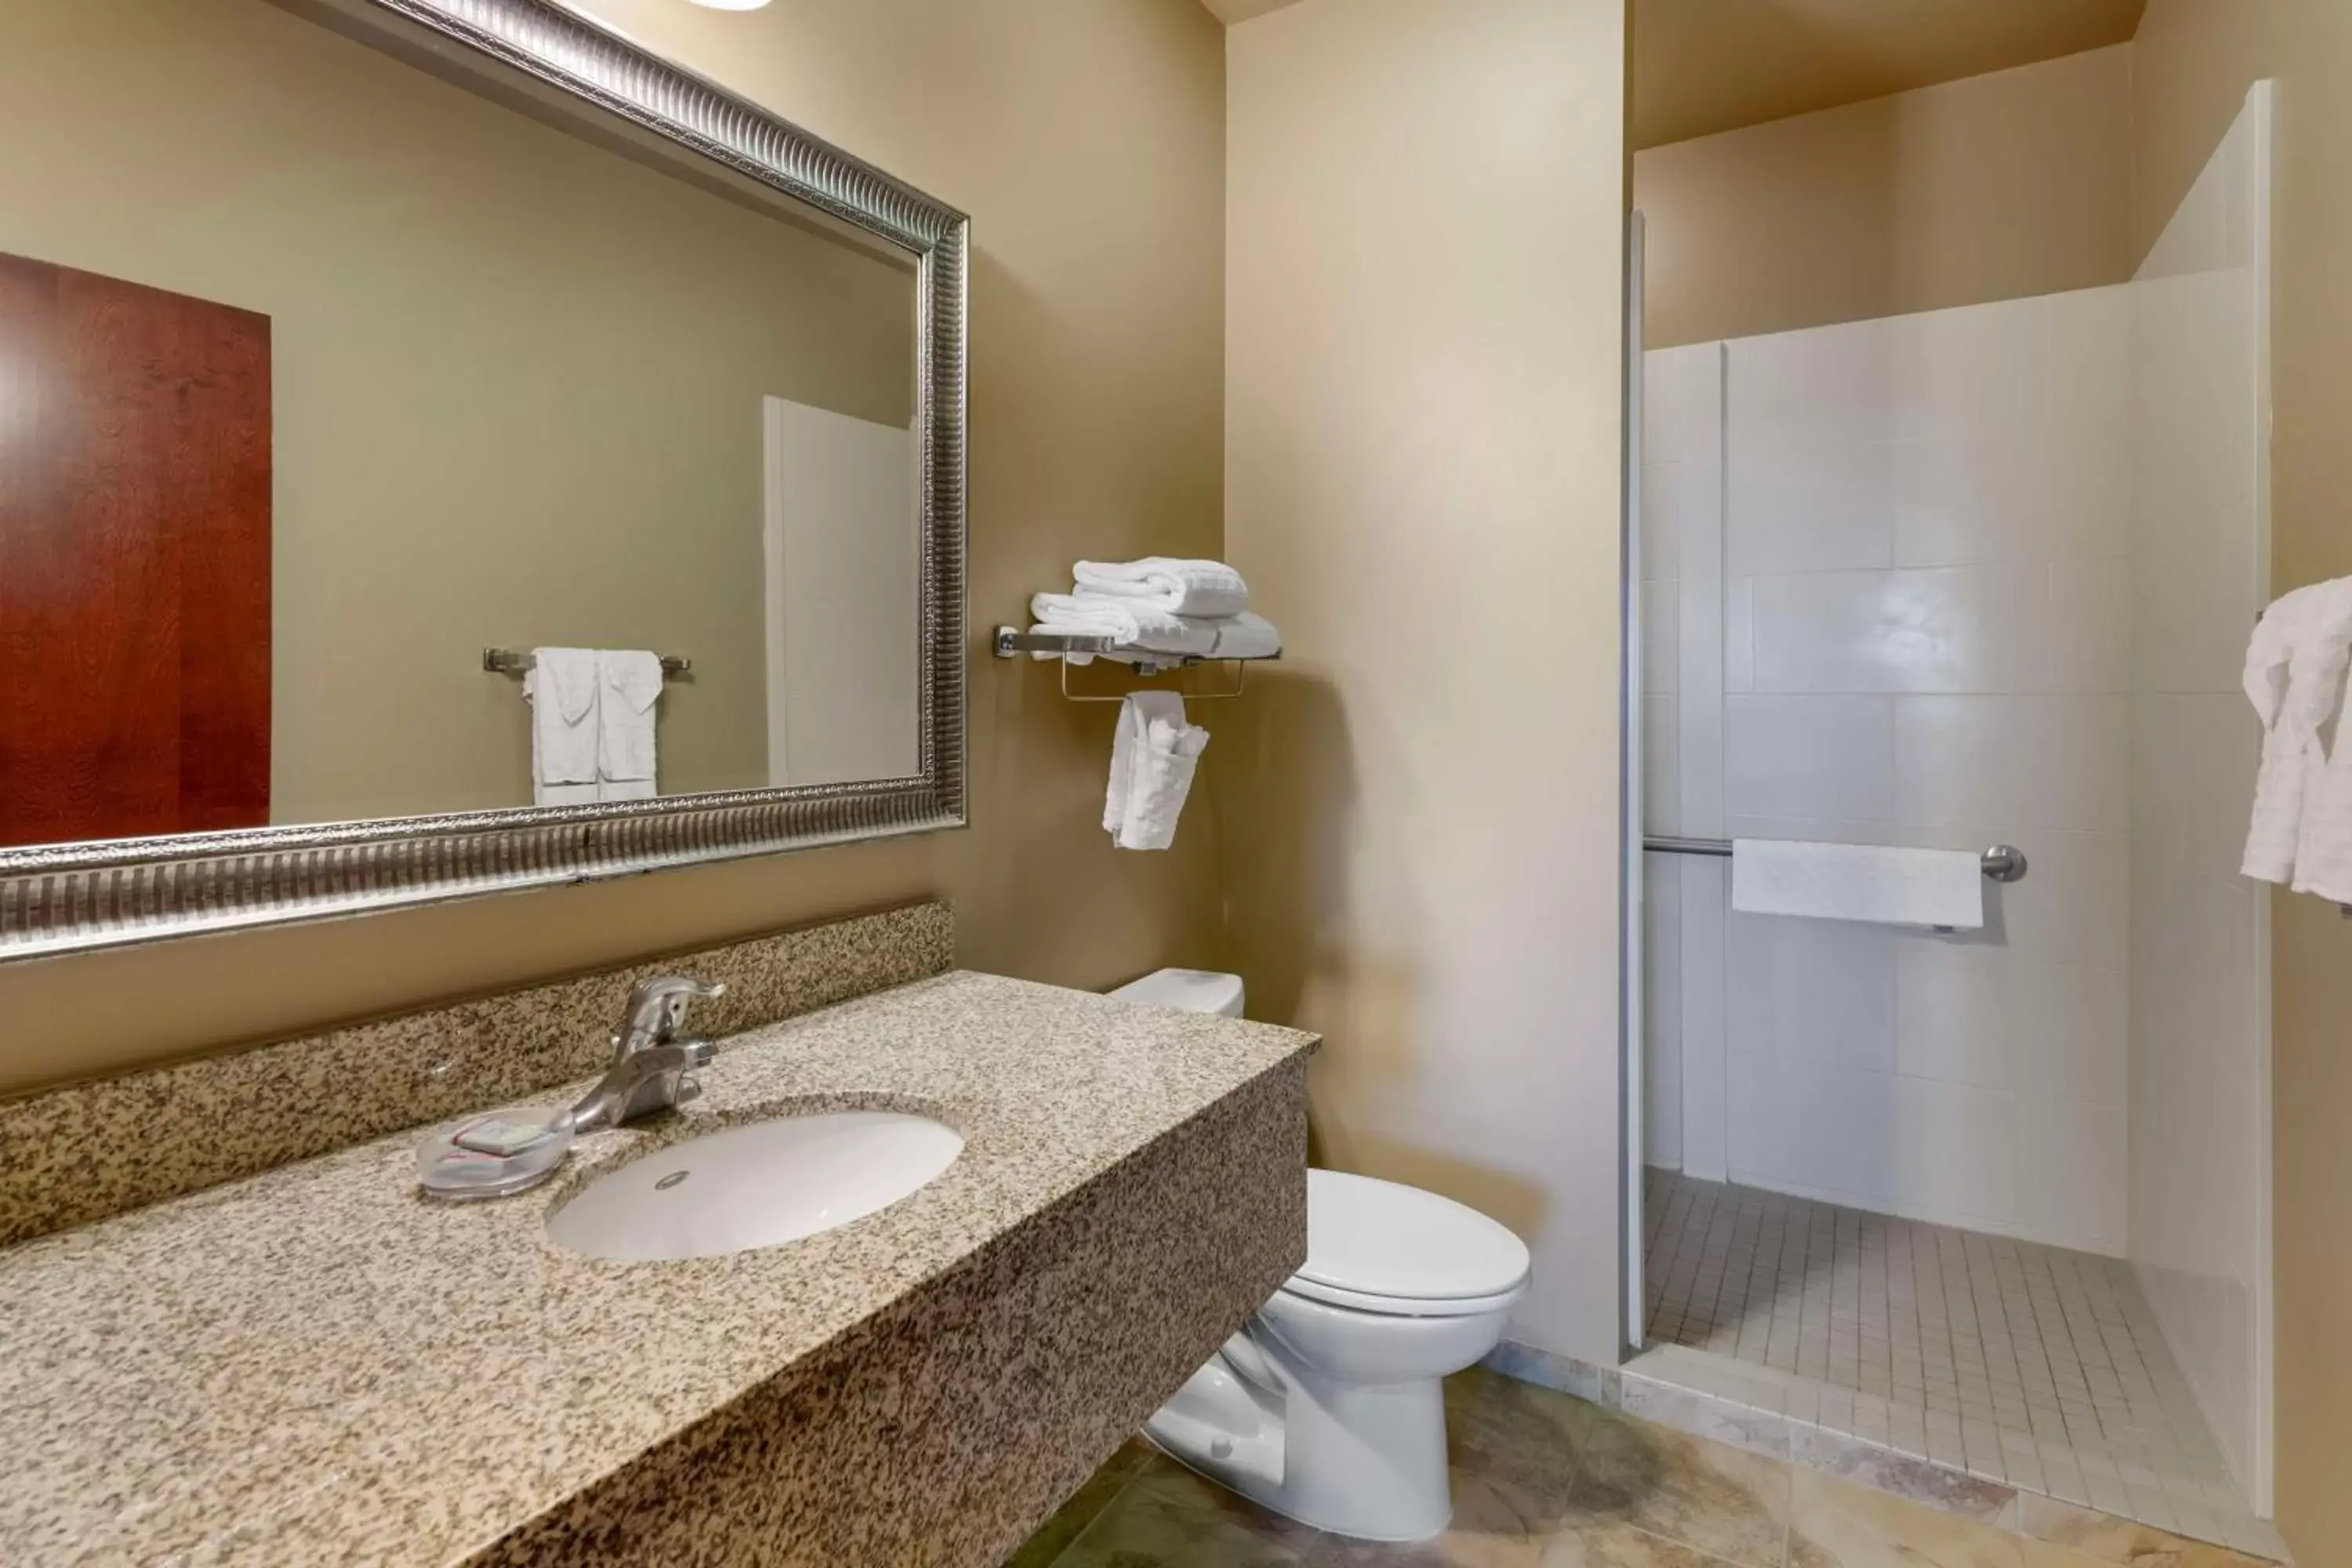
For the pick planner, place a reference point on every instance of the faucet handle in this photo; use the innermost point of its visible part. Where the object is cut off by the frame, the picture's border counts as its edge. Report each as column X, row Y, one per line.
column 657, row 1009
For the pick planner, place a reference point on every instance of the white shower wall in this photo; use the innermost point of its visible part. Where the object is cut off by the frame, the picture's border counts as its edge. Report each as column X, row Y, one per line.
column 1984, row 575
column 1890, row 562
column 2200, row 1078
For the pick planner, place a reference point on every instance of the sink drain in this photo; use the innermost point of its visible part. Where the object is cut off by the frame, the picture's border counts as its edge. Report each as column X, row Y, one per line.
column 673, row 1179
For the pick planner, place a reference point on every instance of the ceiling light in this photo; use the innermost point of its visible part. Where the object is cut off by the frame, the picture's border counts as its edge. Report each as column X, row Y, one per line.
column 732, row 4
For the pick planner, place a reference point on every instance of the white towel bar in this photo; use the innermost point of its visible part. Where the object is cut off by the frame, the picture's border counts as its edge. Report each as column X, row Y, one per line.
column 2003, row 862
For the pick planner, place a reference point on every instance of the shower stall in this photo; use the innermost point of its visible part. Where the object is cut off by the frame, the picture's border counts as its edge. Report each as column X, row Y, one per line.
column 1995, row 1201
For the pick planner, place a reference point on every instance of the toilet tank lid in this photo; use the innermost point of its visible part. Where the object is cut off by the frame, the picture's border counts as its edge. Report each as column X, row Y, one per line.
column 1380, row 1239
column 1187, row 991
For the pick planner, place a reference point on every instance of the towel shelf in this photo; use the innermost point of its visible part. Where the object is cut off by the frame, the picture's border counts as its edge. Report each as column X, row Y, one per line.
column 1011, row 642
column 514, row 661
column 2003, row 862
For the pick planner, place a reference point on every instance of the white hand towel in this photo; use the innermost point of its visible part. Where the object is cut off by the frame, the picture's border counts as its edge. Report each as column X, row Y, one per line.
column 1136, row 624
column 631, row 687
column 1128, row 742
column 1165, row 759
column 1246, row 636
column 560, row 687
column 1940, row 888
column 1205, row 588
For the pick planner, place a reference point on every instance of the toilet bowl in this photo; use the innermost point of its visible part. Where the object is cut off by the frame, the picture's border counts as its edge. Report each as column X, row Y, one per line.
column 1328, row 1406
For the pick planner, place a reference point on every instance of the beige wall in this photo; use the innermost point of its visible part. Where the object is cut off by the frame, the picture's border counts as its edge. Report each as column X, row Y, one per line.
column 2196, row 59
column 1086, row 139
column 1425, row 209
column 517, row 377
column 1995, row 187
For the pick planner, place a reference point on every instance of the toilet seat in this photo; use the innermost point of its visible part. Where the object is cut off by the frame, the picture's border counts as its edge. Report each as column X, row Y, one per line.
column 1398, row 1307
column 1397, row 1251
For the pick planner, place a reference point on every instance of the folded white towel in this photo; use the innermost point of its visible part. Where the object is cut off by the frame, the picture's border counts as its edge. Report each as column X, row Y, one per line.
column 1941, row 889
column 560, row 687
column 1246, row 636
column 631, row 687
column 1153, row 762
column 1165, row 583
column 2288, row 679
column 1130, row 622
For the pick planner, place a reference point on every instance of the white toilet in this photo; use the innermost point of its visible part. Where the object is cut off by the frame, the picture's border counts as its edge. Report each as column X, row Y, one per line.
column 1328, row 1406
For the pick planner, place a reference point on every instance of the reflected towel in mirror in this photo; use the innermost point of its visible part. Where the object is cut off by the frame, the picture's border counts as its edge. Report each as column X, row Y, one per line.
column 560, row 687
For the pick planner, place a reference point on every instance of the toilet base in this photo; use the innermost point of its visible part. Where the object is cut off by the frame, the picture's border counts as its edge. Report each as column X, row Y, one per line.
column 1361, row 1460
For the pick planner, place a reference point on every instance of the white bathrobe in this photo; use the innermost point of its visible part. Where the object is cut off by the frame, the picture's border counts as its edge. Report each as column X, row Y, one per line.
column 2295, row 675
column 2323, row 845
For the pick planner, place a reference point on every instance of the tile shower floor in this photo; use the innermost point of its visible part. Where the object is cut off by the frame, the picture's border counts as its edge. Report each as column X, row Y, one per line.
column 2029, row 1365
column 1545, row 1480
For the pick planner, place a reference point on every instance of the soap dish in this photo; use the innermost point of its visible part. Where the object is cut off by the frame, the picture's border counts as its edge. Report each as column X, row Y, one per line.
column 493, row 1156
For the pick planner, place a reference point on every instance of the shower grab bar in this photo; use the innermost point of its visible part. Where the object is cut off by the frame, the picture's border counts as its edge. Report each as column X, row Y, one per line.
column 2003, row 862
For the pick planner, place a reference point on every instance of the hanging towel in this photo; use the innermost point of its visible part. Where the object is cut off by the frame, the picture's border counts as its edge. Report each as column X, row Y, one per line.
column 560, row 687
column 1138, row 625
column 1153, row 760
column 1205, row 588
column 631, row 687
column 1127, row 740
column 1939, row 888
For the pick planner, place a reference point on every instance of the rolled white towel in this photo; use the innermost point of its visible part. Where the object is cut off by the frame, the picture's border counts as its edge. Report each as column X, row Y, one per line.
column 1129, row 621
column 1205, row 588
column 1246, row 636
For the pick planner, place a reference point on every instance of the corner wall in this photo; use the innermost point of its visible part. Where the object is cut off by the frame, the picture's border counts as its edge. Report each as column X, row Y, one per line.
column 1088, row 142
column 1425, row 213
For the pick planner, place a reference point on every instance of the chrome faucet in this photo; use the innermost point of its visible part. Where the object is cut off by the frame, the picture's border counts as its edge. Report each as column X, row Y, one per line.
column 651, row 1062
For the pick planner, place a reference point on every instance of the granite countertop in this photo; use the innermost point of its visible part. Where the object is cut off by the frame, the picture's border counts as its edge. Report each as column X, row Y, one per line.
column 319, row 1364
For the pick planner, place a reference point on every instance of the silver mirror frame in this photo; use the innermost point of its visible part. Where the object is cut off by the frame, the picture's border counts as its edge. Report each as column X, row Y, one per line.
column 68, row 897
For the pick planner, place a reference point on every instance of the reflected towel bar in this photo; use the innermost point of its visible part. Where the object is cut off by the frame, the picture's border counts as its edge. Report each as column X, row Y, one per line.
column 514, row 661
column 2003, row 862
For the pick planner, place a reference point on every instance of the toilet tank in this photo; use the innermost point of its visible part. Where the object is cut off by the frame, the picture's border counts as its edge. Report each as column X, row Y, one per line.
column 1187, row 991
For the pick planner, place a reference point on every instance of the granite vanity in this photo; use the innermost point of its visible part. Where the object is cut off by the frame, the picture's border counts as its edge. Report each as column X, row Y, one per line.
column 298, row 1358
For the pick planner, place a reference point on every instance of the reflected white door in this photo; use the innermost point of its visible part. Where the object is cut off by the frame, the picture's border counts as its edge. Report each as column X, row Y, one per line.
column 843, row 572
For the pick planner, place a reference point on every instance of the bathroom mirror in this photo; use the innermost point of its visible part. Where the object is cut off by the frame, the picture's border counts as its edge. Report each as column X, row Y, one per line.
column 443, row 450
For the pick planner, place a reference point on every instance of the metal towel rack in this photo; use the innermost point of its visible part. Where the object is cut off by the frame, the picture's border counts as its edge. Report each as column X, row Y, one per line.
column 514, row 661
column 2003, row 862
column 1011, row 642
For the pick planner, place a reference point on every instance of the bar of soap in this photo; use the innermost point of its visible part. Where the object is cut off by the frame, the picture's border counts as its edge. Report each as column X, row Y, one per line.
column 494, row 1156
column 503, row 1136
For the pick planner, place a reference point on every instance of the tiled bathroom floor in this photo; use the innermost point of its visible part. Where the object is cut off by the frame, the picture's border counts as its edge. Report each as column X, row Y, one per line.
column 1545, row 1480
column 2029, row 1365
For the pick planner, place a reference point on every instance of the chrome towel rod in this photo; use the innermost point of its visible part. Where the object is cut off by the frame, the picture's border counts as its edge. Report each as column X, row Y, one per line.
column 514, row 661
column 2003, row 862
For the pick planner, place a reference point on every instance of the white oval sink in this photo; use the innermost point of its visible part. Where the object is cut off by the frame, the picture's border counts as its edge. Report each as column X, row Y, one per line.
column 759, row 1185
